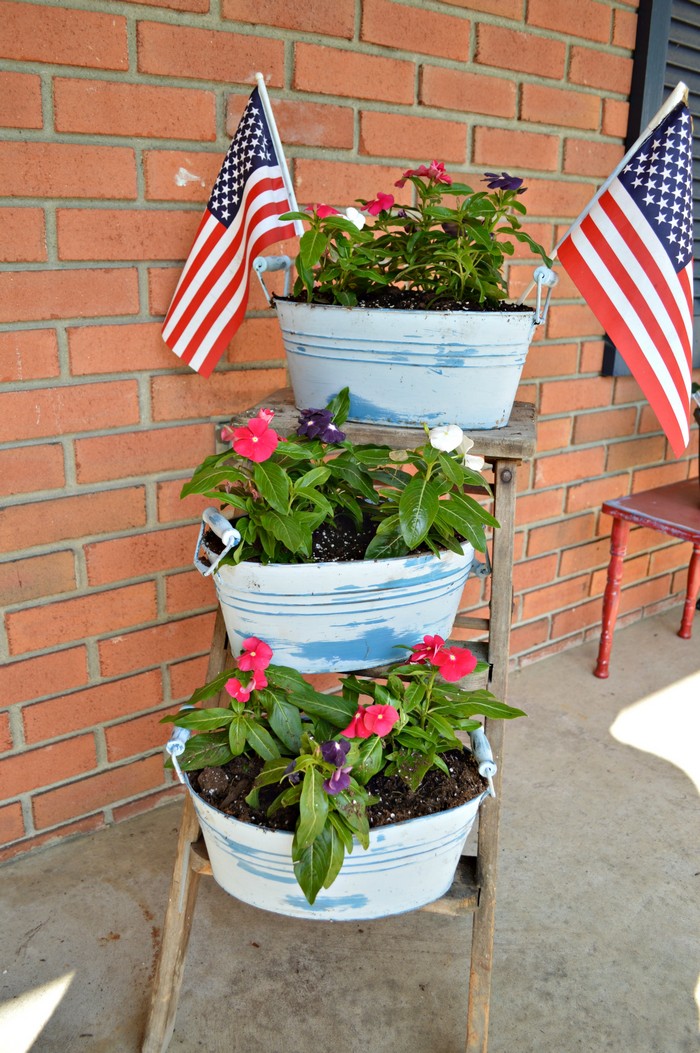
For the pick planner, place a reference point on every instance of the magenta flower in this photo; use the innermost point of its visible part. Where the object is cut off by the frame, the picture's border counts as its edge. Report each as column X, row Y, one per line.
column 238, row 690
column 454, row 663
column 382, row 203
column 425, row 652
column 356, row 728
column 258, row 680
column 256, row 440
column 256, row 655
column 436, row 172
column 371, row 720
column 228, row 434
column 322, row 211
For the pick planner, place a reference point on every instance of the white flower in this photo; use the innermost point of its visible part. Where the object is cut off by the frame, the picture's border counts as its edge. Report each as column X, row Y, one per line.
column 470, row 460
column 447, row 437
column 355, row 217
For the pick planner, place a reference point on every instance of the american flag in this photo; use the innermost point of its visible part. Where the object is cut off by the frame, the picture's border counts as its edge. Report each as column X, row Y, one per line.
column 241, row 219
column 631, row 257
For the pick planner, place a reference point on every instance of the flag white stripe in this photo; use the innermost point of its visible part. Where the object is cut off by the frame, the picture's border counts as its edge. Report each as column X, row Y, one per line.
column 641, row 279
column 645, row 232
column 225, row 280
column 621, row 304
column 210, row 261
column 210, row 224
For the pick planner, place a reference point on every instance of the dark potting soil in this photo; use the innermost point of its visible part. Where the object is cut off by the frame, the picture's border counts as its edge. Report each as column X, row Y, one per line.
column 227, row 787
column 332, row 542
column 392, row 297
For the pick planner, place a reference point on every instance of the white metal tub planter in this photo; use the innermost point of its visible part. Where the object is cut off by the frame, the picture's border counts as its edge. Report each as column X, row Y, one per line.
column 301, row 795
column 339, row 554
column 410, row 313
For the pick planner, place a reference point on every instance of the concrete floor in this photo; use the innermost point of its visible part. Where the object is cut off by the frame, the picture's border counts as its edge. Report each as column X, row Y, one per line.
column 597, row 923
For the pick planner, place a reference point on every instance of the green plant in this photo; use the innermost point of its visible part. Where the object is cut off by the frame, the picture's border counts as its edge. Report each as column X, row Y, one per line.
column 283, row 491
column 451, row 244
column 322, row 750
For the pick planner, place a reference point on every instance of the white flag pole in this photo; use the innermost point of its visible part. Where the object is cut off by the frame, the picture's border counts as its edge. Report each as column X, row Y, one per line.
column 265, row 100
column 678, row 95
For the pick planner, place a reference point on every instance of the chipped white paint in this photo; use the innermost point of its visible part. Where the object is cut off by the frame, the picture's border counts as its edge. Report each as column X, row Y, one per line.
column 183, row 178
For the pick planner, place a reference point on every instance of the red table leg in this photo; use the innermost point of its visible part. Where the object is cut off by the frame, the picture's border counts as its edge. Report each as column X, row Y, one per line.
column 691, row 595
column 611, row 597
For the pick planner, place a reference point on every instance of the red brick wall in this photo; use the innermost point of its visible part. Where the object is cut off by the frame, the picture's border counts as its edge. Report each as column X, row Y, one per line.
column 115, row 121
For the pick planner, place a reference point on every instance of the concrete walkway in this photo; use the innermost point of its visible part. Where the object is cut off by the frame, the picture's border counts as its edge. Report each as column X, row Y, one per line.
column 598, row 919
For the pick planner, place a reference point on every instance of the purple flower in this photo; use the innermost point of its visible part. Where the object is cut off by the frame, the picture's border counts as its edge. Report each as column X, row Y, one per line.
column 339, row 780
column 503, row 182
column 293, row 776
column 335, row 752
column 318, row 424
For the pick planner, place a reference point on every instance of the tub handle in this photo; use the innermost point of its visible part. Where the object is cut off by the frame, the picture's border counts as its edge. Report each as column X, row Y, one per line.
column 544, row 276
column 273, row 263
column 175, row 746
column 483, row 754
column 224, row 531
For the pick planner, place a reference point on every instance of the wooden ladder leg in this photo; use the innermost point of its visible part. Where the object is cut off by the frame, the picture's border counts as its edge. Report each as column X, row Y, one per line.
column 176, row 935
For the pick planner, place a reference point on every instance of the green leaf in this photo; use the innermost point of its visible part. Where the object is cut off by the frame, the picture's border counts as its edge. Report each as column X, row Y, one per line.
column 237, row 735
column 371, row 757
column 313, row 808
column 337, row 855
column 314, row 477
column 311, row 865
column 260, row 739
column 312, row 245
column 200, row 719
column 273, row 484
column 473, row 508
column 352, row 805
column 204, row 751
column 418, row 506
column 383, row 546
column 337, row 710
column 412, row 767
column 285, row 721
column 339, row 406
column 295, row 537
column 273, row 772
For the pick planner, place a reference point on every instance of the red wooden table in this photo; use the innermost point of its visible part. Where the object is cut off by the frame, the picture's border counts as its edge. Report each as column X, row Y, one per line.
column 673, row 510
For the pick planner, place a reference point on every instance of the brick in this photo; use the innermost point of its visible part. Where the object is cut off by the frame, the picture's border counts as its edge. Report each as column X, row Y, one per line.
column 315, row 16
column 574, row 18
column 563, row 396
column 23, row 847
column 645, row 593
column 142, row 453
column 591, row 356
column 672, row 557
column 27, row 296
column 136, row 737
column 553, row 434
column 524, row 637
column 576, row 618
column 565, row 467
column 547, row 360
column 147, row 803
column 189, row 591
column 147, row 648
column 97, row 791
column 624, row 29
column 591, row 494
column 179, row 397
column 74, row 619
column 603, row 425
column 85, row 234
column 32, row 468
column 172, row 509
column 257, row 340
column 5, row 733
column 306, row 123
column 32, row 769
column 87, row 709
column 180, row 175
column 456, row 89
column 627, row 390
column 205, row 54
column 22, row 235
column 186, row 677
column 520, row 51
column 636, row 451
column 547, row 197
column 519, row 150
column 129, row 348
column 615, row 118
column 340, row 183
column 335, row 72
column 596, row 69
column 531, row 508
column 70, row 517
column 396, row 135
column 504, row 8
column 28, row 354
column 415, row 30
column 585, row 557
column 572, row 320
column 145, row 553
column 531, row 573
column 41, row 412
column 570, row 109
column 33, row 169
column 583, row 157
column 20, row 100
column 650, row 478
column 44, row 576
column 197, row 6
column 102, row 107
column 63, row 37
column 569, row 531
column 162, row 282
column 554, row 597
column 51, row 673
column 11, row 823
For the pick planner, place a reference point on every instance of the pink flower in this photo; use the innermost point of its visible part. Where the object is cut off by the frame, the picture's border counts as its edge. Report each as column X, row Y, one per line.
column 436, row 173
column 228, row 434
column 258, row 680
column 322, row 211
column 256, row 655
column 455, row 662
column 266, row 414
column 371, row 720
column 427, row 651
column 237, row 690
column 256, row 440
column 382, row 203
